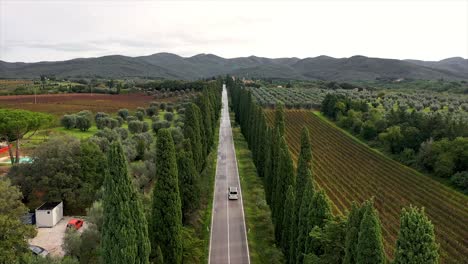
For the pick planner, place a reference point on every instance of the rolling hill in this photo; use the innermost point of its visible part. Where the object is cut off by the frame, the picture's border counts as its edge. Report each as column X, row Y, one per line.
column 172, row 66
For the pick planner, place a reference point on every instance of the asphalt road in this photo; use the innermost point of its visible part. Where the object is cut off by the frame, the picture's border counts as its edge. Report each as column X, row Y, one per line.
column 228, row 241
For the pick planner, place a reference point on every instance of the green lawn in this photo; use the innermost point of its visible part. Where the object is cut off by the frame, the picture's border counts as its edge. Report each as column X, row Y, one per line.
column 260, row 231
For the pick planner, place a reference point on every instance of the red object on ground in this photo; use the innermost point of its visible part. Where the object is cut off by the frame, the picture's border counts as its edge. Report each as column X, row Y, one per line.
column 75, row 223
column 5, row 149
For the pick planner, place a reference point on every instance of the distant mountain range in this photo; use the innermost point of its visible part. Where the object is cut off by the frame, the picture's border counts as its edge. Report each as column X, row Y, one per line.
column 172, row 66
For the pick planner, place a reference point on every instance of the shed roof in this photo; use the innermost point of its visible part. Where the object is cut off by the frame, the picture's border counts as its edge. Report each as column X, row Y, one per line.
column 48, row 206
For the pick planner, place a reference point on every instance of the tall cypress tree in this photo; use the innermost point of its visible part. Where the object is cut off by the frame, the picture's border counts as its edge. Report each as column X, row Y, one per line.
column 302, row 176
column 352, row 234
column 205, row 110
column 370, row 248
column 416, row 239
column 303, row 221
column 166, row 224
column 287, row 221
column 279, row 118
column 203, row 139
column 124, row 236
column 268, row 170
column 319, row 213
column 274, row 164
column 261, row 144
column 188, row 180
column 284, row 178
column 193, row 133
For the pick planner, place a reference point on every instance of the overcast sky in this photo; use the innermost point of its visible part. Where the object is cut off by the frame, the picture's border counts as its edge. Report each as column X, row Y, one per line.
column 59, row 30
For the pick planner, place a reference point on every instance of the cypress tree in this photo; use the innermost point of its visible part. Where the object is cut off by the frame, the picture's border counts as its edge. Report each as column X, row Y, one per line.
column 370, row 246
column 279, row 118
column 261, row 144
column 287, row 220
column 158, row 258
column 124, row 236
column 352, row 234
column 166, row 221
column 203, row 139
column 303, row 221
column 188, row 180
column 205, row 116
column 268, row 170
column 302, row 176
column 284, row 178
column 274, row 164
column 193, row 133
column 416, row 239
column 319, row 213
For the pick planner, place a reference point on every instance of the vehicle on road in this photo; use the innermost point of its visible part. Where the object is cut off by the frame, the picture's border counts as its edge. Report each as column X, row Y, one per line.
column 232, row 193
column 75, row 223
column 38, row 251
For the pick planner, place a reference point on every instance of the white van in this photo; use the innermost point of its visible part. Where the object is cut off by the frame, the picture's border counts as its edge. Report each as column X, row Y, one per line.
column 232, row 193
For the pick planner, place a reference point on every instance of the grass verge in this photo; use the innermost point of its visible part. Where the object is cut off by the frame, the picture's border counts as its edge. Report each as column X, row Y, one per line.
column 260, row 231
column 207, row 178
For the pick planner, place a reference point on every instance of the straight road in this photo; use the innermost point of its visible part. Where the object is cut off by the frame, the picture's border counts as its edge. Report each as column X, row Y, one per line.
column 228, row 241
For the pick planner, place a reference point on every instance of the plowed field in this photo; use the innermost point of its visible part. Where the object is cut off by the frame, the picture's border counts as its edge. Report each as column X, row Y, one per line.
column 59, row 104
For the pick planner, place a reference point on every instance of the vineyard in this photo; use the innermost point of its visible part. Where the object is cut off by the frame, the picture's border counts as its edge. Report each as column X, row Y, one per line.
column 349, row 171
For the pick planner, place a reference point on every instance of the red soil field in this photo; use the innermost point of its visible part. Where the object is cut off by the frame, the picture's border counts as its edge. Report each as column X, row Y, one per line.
column 59, row 104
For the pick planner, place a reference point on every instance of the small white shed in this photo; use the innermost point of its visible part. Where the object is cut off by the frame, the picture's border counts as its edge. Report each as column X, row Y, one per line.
column 49, row 214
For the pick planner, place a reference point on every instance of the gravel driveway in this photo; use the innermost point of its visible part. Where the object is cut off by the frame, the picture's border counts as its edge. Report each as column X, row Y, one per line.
column 52, row 238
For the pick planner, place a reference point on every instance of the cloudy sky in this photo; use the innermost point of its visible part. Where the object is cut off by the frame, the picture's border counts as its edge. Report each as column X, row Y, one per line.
column 64, row 29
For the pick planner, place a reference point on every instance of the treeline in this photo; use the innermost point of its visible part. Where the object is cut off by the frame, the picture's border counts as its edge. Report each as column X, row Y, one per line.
column 427, row 141
column 172, row 85
column 305, row 227
column 133, row 227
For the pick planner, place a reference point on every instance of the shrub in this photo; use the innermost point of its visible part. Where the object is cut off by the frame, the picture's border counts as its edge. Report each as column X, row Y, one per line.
column 120, row 120
column 460, row 179
column 131, row 118
column 99, row 115
column 135, row 127
column 160, row 124
column 87, row 114
column 107, row 122
column 151, row 111
column 82, row 123
column 169, row 116
column 109, row 134
column 68, row 121
column 123, row 133
column 129, row 149
column 140, row 116
column 141, row 110
column 145, row 127
column 123, row 113
column 170, row 108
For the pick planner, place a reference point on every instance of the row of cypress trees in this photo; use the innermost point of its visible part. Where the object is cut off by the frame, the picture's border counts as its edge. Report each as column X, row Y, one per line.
column 305, row 226
column 127, row 236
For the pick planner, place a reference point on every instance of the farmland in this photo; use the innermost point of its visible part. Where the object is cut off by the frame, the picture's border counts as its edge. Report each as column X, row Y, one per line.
column 60, row 104
column 386, row 100
column 349, row 171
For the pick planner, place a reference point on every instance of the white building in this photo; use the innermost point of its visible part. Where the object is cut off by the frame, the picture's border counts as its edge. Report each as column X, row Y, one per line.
column 49, row 214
